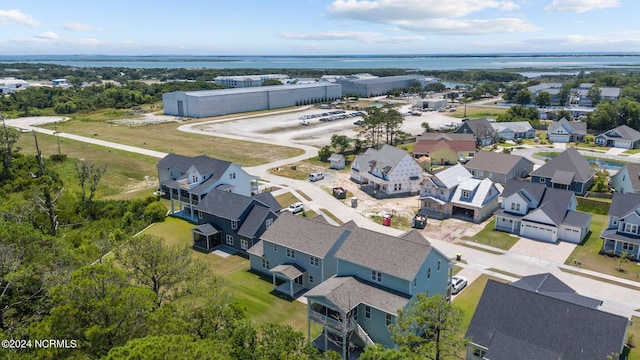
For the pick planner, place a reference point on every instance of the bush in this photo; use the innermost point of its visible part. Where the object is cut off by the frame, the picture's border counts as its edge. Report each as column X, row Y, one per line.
column 155, row 212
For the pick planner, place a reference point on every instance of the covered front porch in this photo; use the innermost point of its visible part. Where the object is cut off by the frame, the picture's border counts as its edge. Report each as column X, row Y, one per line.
column 434, row 207
column 611, row 245
column 293, row 279
column 374, row 186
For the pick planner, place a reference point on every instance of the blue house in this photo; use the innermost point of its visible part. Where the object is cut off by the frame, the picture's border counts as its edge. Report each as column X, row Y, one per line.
column 568, row 171
column 377, row 274
column 232, row 220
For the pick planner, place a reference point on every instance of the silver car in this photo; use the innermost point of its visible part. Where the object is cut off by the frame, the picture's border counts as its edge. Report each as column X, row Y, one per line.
column 458, row 283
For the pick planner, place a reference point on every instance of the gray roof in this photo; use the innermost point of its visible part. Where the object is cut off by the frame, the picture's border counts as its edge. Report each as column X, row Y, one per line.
column 554, row 204
column 530, row 190
column 306, row 235
column 401, row 257
column 203, row 163
column 348, row 292
column 451, row 177
column 496, row 162
column 624, row 204
column 610, row 92
column 515, row 126
column 573, row 127
column 290, row 271
column 563, row 177
column 569, row 160
column 387, row 156
column 205, row 229
column 576, row 218
column 622, row 132
column 544, row 322
column 257, row 89
column 231, row 206
column 254, row 220
column 618, row 236
column 479, row 127
column 336, row 157
column 549, row 285
column 386, row 79
column 480, row 192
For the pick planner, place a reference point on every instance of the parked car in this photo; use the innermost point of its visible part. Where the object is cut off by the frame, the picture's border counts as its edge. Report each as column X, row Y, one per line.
column 316, row 176
column 304, row 122
column 458, row 283
column 295, row 207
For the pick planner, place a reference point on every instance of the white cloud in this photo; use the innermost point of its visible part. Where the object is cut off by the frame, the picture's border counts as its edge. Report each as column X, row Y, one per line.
column 360, row 36
column 17, row 17
column 433, row 16
column 74, row 26
column 48, row 35
column 581, row 6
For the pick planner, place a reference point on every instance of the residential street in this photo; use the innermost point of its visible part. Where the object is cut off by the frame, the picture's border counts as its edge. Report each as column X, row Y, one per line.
column 520, row 260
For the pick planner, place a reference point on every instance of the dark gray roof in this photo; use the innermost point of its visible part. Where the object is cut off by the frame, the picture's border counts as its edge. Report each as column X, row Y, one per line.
column 533, row 191
column 504, row 346
column 205, row 229
column 290, row 271
column 479, row 127
column 624, row 204
column 203, row 163
column 268, row 199
column 569, row 160
column 573, row 127
column 231, row 206
column 563, row 177
column 303, row 234
column 499, row 163
column 401, row 257
column 557, row 326
column 548, row 284
column 577, row 218
column 348, row 292
column 253, row 221
column 618, row 236
column 554, row 204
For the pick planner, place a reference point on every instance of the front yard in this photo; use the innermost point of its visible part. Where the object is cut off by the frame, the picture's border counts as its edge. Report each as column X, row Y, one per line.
column 489, row 236
column 251, row 290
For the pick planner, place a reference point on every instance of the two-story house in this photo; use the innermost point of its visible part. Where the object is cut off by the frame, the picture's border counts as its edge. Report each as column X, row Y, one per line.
column 499, row 167
column 622, row 233
column 187, row 180
column 540, row 317
column 568, row 170
column 445, row 148
column 535, row 211
column 377, row 274
column 482, row 129
column 387, row 172
column 455, row 193
column 627, row 179
column 232, row 220
column 297, row 252
column 565, row 131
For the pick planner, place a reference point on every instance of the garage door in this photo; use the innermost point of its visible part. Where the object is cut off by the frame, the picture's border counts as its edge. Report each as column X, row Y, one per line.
column 570, row 235
column 537, row 232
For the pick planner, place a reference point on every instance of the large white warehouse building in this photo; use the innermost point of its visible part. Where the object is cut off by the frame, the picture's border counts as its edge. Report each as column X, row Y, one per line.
column 206, row 103
column 375, row 86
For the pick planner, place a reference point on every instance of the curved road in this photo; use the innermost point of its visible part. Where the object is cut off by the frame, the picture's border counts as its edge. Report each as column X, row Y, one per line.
column 623, row 300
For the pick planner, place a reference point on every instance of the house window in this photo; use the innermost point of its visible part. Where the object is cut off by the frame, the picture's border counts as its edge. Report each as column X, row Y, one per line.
column 428, row 273
column 291, row 254
column 388, row 319
column 627, row 247
column 543, row 180
column 466, row 193
column 275, row 248
column 479, row 353
column 614, row 220
column 199, row 214
column 229, row 239
column 415, row 282
column 515, row 207
column 367, row 311
column 631, row 228
column 439, row 265
column 265, row 264
column 234, row 224
column 314, row 261
column 268, row 222
column 244, row 244
column 310, row 279
column 232, row 176
column 376, row 276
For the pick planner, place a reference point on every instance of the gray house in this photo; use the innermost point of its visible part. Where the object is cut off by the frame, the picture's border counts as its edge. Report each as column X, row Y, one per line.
column 569, row 170
column 499, row 167
column 232, row 220
column 621, row 137
column 627, row 179
column 514, row 130
column 622, row 233
column 482, row 129
column 540, row 317
column 565, row 131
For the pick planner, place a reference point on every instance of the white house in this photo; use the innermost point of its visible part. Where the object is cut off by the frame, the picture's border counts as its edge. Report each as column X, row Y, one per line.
column 535, row 211
column 564, row 131
column 514, row 130
column 9, row 85
column 627, row 179
column 337, row 161
column 387, row 172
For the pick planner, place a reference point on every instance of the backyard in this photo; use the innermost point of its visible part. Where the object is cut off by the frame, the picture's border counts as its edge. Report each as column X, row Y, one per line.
column 251, row 290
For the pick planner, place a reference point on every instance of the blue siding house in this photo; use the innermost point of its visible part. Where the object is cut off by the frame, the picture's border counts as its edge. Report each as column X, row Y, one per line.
column 568, row 171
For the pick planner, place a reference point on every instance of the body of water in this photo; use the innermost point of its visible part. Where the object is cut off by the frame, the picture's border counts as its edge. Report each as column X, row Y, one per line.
column 597, row 162
column 555, row 63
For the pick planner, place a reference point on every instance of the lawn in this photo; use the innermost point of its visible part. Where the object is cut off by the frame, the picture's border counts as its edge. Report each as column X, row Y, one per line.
column 474, row 112
column 498, row 239
column 587, row 254
column 125, row 171
column 166, row 138
column 251, row 290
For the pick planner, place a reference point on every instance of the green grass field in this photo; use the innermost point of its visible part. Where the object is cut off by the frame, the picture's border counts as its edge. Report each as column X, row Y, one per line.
column 498, row 239
column 252, row 291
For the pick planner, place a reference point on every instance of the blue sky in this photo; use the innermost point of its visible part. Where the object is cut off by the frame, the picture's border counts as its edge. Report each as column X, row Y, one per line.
column 317, row 27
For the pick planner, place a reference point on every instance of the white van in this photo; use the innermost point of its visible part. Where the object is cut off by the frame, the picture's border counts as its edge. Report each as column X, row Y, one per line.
column 316, row 176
